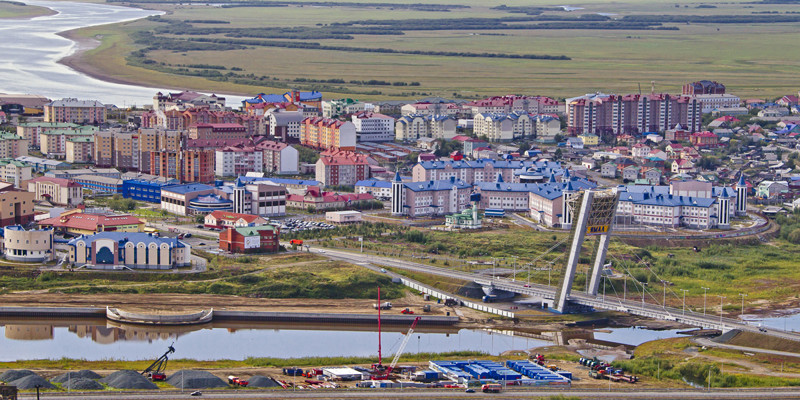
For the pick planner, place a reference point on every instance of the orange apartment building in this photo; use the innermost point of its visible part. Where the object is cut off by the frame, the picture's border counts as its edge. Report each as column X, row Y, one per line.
column 183, row 165
column 328, row 134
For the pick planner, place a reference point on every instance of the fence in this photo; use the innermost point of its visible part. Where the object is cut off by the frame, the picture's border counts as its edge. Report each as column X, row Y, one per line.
column 445, row 296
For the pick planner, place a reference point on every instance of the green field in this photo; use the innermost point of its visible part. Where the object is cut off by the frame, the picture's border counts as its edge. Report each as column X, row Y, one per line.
column 750, row 58
column 13, row 9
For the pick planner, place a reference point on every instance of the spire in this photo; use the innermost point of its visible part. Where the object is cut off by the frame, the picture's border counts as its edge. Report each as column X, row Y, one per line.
column 397, row 177
column 741, row 183
column 569, row 188
column 552, row 178
column 566, row 175
column 499, row 178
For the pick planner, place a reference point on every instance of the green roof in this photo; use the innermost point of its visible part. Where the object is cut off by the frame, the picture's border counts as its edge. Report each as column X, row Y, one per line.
column 253, row 230
column 49, row 124
column 7, row 161
column 82, row 131
column 85, row 139
column 9, row 135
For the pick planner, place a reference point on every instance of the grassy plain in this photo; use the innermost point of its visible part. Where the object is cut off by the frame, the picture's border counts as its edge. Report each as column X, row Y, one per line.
column 766, row 272
column 13, row 9
column 751, row 59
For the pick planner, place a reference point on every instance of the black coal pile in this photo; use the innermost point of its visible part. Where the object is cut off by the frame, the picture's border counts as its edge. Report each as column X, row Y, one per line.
column 261, row 381
column 191, row 379
column 128, row 379
column 31, row 382
column 82, row 374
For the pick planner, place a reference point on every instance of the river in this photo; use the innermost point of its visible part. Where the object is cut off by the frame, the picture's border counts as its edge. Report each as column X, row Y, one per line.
column 31, row 338
column 32, row 48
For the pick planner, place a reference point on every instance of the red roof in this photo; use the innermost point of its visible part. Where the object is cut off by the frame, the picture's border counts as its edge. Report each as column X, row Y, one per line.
column 230, row 216
column 461, row 138
column 90, row 222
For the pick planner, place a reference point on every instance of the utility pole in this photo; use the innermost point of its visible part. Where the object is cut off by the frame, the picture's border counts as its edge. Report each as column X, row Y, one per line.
column 743, row 296
column 705, row 292
column 684, row 300
column 720, row 307
column 664, row 299
column 625, row 287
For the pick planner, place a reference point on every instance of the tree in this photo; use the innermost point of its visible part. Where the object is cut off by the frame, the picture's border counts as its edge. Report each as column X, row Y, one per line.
column 794, row 236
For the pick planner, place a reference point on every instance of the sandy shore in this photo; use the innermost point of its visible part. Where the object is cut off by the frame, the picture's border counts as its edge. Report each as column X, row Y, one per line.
column 78, row 62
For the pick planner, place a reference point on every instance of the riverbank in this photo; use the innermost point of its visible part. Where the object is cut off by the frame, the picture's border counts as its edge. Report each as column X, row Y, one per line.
column 17, row 10
column 100, row 53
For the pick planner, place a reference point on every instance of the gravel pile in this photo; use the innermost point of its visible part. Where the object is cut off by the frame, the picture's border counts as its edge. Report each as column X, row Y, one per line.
column 82, row 384
column 261, row 381
column 127, row 379
column 31, row 382
column 14, row 374
column 191, row 379
column 82, row 374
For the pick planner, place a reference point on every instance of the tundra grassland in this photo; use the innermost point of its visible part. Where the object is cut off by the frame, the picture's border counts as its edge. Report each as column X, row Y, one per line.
column 751, row 58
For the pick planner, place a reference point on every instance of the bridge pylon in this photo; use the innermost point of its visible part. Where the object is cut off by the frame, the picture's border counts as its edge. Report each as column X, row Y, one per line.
column 595, row 217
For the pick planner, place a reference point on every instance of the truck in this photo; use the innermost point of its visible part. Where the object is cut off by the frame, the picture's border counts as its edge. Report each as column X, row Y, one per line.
column 451, row 302
column 296, row 242
column 312, row 372
column 407, row 311
column 236, row 381
column 293, row 371
column 386, row 305
column 492, row 388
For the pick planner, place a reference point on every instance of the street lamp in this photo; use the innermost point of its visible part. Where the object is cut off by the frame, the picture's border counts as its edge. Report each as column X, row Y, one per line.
column 720, row 307
column 705, row 292
column 684, row 300
column 743, row 296
column 664, row 299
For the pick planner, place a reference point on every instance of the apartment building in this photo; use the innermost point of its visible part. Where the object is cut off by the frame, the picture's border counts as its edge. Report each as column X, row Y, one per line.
column 58, row 191
column 235, row 161
column 285, row 125
column 53, row 143
column 515, row 104
column 14, row 172
column 373, row 127
column 79, row 150
column 13, row 146
column 691, row 204
column 183, row 165
column 432, row 198
column 343, row 168
column 75, row 111
column 632, row 114
column 328, row 134
column 431, row 109
column 502, row 127
column 217, row 131
column 486, row 171
column 32, row 130
column 412, row 127
column 278, row 158
column 16, row 207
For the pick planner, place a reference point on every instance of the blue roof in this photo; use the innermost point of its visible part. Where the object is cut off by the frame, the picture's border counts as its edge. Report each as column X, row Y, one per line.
column 122, row 237
column 375, row 183
column 741, row 183
column 188, row 188
column 550, row 190
column 668, row 200
column 518, row 164
column 446, row 184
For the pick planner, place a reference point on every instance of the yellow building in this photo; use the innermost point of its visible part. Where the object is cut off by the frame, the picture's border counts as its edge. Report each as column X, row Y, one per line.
column 590, row 139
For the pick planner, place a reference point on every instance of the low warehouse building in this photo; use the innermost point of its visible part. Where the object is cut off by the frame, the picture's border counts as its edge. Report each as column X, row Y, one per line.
column 32, row 246
column 116, row 250
column 251, row 239
column 343, row 217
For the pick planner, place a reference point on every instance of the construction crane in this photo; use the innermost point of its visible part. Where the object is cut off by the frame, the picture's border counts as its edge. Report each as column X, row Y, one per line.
column 155, row 372
column 403, row 344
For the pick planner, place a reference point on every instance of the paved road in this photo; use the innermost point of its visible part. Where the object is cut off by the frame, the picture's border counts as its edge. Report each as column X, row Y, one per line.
column 632, row 306
column 710, row 343
column 631, row 393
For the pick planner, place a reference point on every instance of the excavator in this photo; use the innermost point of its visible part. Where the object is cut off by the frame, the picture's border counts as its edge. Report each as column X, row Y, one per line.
column 155, row 372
